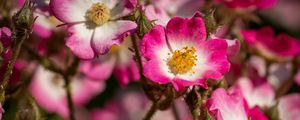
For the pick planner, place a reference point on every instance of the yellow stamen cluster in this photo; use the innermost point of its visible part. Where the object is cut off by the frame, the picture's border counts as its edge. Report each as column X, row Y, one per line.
column 98, row 13
column 182, row 61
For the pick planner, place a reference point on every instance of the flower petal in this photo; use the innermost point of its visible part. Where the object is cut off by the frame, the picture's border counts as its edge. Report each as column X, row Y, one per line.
column 180, row 30
column 111, row 33
column 79, row 41
column 70, row 11
column 93, row 68
column 288, row 107
column 125, row 7
column 224, row 106
column 157, row 71
column 153, row 41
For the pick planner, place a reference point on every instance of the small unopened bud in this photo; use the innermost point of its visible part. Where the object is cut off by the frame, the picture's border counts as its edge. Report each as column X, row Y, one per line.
column 144, row 24
column 23, row 20
column 210, row 22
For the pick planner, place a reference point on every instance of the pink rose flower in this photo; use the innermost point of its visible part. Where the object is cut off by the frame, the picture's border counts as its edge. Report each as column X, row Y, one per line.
column 264, row 40
column 247, row 4
column 288, row 107
column 48, row 90
column 179, row 54
column 226, row 106
column 223, row 105
column 94, row 26
column 261, row 95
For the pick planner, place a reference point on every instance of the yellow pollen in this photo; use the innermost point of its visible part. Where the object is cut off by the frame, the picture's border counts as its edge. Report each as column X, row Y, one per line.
column 182, row 61
column 98, row 13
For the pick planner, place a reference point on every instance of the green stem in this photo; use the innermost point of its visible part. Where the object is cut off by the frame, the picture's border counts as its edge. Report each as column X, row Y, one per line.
column 11, row 63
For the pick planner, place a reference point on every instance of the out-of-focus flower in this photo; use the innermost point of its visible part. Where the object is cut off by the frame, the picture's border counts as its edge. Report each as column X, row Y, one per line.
column 182, row 8
column 247, row 4
column 118, row 61
column 261, row 95
column 133, row 106
column 288, row 107
column 225, row 106
column 48, row 90
column 279, row 47
column 157, row 14
column 167, row 51
column 94, row 26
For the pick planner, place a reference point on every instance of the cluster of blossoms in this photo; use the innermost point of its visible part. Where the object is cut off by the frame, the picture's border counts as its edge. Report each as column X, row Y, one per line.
column 194, row 59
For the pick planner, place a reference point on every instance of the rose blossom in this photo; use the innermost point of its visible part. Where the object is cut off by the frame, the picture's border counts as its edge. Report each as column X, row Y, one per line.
column 94, row 26
column 179, row 54
column 266, row 43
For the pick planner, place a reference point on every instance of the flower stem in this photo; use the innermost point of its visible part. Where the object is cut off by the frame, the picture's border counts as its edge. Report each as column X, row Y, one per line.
column 69, row 97
column 175, row 112
column 152, row 111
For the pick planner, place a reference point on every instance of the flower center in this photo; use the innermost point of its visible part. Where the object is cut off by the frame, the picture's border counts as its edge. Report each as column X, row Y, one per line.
column 98, row 13
column 182, row 61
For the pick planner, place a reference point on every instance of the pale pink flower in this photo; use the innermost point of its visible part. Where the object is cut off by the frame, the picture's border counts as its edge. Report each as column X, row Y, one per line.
column 247, row 4
column 182, row 8
column 297, row 78
column 179, row 54
column 119, row 62
column 288, row 107
column 226, row 106
column 48, row 90
column 264, row 40
column 91, row 33
column 261, row 95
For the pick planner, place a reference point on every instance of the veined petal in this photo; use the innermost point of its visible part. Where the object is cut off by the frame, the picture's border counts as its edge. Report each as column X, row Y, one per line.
column 180, row 30
column 111, row 33
column 79, row 41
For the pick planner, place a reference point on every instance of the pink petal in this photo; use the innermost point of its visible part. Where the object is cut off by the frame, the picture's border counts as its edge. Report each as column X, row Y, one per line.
column 256, row 114
column 125, row 73
column 152, row 41
column 249, row 36
column 265, row 4
column 233, row 47
column 224, row 106
column 125, row 7
column 157, row 72
column 79, row 41
column 181, row 30
column 159, row 15
column 216, row 51
column 111, row 33
column 70, row 11
column 93, row 68
column 288, row 107
column 297, row 78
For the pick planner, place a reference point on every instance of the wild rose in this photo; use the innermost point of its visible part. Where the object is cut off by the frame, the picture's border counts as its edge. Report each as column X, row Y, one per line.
column 118, row 61
column 261, row 95
column 94, row 26
column 48, row 90
column 226, row 106
column 179, row 54
column 266, row 43
column 223, row 105
column 247, row 4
